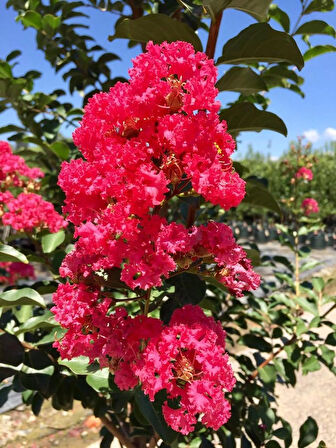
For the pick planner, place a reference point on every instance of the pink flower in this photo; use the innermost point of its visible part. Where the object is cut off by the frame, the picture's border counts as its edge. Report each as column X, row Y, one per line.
column 310, row 205
column 29, row 211
column 304, row 173
column 13, row 167
column 188, row 360
column 14, row 271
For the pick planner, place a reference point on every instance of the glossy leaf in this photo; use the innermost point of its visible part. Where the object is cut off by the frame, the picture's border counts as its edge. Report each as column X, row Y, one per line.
column 261, row 43
column 46, row 320
column 31, row 18
column 245, row 116
column 316, row 27
column 79, row 365
column 158, row 28
column 258, row 195
column 241, row 79
column 8, row 253
column 256, row 8
column 154, row 418
column 51, row 241
column 98, row 380
column 308, row 433
column 317, row 51
column 279, row 16
column 61, row 149
column 24, row 296
column 319, row 6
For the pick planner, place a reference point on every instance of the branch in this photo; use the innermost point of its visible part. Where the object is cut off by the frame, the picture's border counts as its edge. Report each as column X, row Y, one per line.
column 328, row 311
column 124, row 440
column 213, row 36
column 255, row 373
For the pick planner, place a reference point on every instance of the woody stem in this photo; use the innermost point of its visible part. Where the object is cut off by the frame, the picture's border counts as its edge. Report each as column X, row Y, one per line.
column 213, row 36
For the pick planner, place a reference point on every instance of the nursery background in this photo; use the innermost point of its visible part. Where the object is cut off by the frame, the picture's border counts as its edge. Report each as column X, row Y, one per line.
column 167, row 270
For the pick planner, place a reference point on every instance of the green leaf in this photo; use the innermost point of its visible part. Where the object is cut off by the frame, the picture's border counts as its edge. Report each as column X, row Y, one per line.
column 79, row 365
column 306, row 305
column 11, row 128
column 51, row 22
column 98, row 380
column 254, row 256
column 154, row 418
column 317, row 51
column 256, row 342
column 316, row 27
column 272, row 444
column 245, row 116
column 61, row 149
column 258, row 195
column 24, row 296
column 279, row 16
column 13, row 54
column 214, row 7
column 51, row 241
column 31, row 18
column 158, row 28
column 318, row 283
column 8, row 253
column 189, row 288
column 319, row 6
column 241, row 79
column 261, row 43
column 308, row 433
column 310, row 364
column 268, row 374
column 46, row 320
column 5, row 70
column 256, row 8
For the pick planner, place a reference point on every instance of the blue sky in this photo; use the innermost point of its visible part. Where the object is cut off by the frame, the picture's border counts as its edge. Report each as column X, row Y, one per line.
column 314, row 115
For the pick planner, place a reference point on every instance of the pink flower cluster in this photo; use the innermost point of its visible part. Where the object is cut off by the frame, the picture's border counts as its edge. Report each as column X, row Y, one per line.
column 27, row 211
column 143, row 142
column 309, row 206
column 304, row 173
column 13, row 169
column 11, row 272
column 186, row 358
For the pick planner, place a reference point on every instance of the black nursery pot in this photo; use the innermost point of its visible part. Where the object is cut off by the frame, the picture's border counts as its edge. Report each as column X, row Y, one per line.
column 318, row 241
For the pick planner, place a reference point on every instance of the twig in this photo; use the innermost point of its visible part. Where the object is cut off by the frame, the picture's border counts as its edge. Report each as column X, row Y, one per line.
column 124, row 440
column 213, row 36
column 255, row 373
column 328, row 311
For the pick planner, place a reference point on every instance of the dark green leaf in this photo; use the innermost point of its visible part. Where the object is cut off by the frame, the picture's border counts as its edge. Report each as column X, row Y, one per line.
column 256, row 342
column 5, row 70
column 206, row 443
column 24, row 296
column 272, row 444
column 189, row 288
column 316, row 27
column 331, row 339
column 158, row 28
column 308, row 433
column 319, row 6
column 246, row 117
column 51, row 241
column 256, row 8
column 8, row 253
column 318, row 50
column 11, row 350
column 153, row 417
column 61, row 149
column 258, row 195
column 280, row 16
column 13, row 54
column 241, row 79
column 261, row 43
